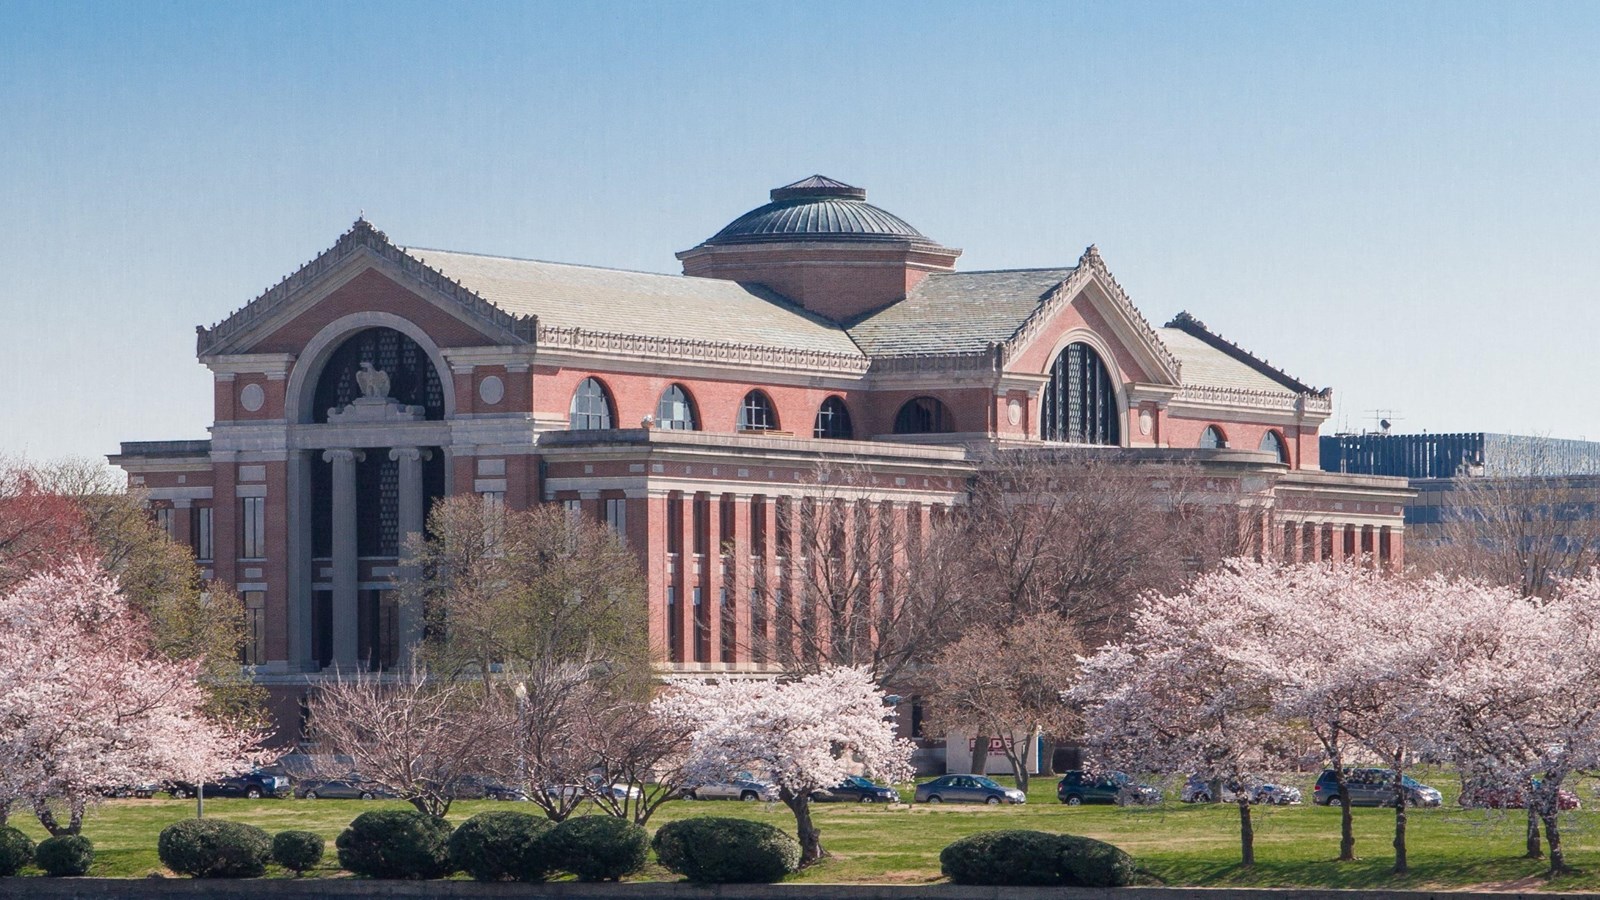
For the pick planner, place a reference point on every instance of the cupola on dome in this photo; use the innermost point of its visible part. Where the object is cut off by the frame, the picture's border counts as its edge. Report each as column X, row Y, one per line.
column 817, row 208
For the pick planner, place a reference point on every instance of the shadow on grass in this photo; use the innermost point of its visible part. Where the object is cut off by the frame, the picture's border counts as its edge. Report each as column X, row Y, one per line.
column 1376, row 872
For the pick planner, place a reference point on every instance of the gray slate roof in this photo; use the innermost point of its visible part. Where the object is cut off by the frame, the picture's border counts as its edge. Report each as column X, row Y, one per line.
column 959, row 312
column 1205, row 365
column 640, row 303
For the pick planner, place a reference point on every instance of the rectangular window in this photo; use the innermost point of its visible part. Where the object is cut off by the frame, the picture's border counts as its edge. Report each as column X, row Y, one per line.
column 675, row 522
column 164, row 516
column 253, row 525
column 617, row 516
column 573, row 507
column 758, row 526
column 725, row 532
column 701, row 501
column 700, row 628
column 674, row 625
column 200, row 539
column 254, row 651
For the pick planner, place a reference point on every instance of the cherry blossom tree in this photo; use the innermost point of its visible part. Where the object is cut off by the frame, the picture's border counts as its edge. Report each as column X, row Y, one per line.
column 87, row 702
column 1177, row 694
column 417, row 737
column 1007, row 682
column 805, row 735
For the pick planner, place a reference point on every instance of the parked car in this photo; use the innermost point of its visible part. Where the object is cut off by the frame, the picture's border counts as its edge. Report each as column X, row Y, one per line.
column 744, row 786
column 350, row 787
column 482, row 787
column 254, row 784
column 1198, row 790
column 967, row 789
column 1372, row 787
column 618, row 791
column 142, row 791
column 1076, row 787
column 1504, row 797
column 856, row 789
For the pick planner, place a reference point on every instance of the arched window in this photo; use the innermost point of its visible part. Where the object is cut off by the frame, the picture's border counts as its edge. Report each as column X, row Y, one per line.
column 1212, row 439
column 756, row 413
column 411, row 376
column 591, row 408
column 1272, row 442
column 833, row 420
column 674, row 412
column 1080, row 404
column 924, row 415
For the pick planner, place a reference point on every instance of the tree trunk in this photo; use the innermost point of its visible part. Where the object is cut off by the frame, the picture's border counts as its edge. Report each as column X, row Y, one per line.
column 810, row 838
column 1400, row 867
column 1552, row 836
column 47, row 818
column 1247, row 833
column 5, row 812
column 1347, row 829
column 980, row 754
column 1047, row 760
column 1535, row 851
column 75, row 809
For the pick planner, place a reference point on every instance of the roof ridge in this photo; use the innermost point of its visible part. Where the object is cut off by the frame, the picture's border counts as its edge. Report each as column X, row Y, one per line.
column 1197, row 329
column 552, row 262
column 1066, row 268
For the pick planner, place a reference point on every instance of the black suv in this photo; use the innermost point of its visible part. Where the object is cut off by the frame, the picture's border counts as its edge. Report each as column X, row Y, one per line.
column 1076, row 788
column 253, row 784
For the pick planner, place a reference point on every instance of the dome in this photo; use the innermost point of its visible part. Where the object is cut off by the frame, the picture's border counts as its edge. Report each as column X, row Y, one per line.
column 817, row 208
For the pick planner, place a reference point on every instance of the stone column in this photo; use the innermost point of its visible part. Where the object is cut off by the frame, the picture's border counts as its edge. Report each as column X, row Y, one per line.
column 740, row 593
column 345, row 561
column 412, row 514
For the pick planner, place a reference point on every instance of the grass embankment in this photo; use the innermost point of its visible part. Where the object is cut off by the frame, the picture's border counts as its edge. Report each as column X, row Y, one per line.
column 1176, row 843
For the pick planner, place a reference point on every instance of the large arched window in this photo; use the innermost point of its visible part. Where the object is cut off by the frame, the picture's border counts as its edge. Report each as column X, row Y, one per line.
column 412, row 378
column 674, row 412
column 591, row 408
column 833, row 420
column 1080, row 404
column 924, row 415
column 756, row 413
column 1272, row 442
column 1212, row 439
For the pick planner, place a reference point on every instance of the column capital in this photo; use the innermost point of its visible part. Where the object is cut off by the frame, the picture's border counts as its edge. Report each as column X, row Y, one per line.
column 343, row 454
column 413, row 454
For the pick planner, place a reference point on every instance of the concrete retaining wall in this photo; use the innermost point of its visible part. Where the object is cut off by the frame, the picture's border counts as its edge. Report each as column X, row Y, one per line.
column 319, row 888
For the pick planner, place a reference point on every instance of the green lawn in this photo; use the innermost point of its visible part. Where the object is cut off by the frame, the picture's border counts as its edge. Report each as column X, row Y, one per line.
column 1175, row 843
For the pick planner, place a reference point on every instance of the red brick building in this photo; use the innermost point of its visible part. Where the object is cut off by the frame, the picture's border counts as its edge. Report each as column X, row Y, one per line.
column 687, row 412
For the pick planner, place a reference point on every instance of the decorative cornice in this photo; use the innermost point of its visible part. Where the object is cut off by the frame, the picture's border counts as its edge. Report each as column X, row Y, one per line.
column 361, row 237
column 1091, row 266
column 711, row 351
column 1312, row 404
column 989, row 359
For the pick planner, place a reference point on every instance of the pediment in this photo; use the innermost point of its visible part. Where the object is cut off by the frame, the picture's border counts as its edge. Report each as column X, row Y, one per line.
column 1090, row 301
column 363, row 257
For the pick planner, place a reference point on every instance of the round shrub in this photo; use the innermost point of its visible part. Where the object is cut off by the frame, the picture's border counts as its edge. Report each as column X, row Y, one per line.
column 213, row 848
column 16, row 850
column 1011, row 858
column 502, row 845
column 1086, row 862
column 597, row 848
column 727, row 851
column 396, row 843
column 297, row 851
column 67, row 855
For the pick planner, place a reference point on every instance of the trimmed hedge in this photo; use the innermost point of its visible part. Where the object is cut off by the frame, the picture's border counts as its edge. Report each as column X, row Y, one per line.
column 1086, row 862
column 396, row 843
column 714, row 849
column 502, row 845
column 65, row 856
column 1035, row 858
column 16, row 850
column 597, row 848
column 298, row 851
column 214, row 848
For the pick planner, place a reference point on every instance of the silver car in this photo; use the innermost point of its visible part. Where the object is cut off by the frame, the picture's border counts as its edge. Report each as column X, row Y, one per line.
column 741, row 787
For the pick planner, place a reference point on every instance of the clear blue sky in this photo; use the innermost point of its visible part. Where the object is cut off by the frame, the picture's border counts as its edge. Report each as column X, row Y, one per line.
column 1398, row 200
